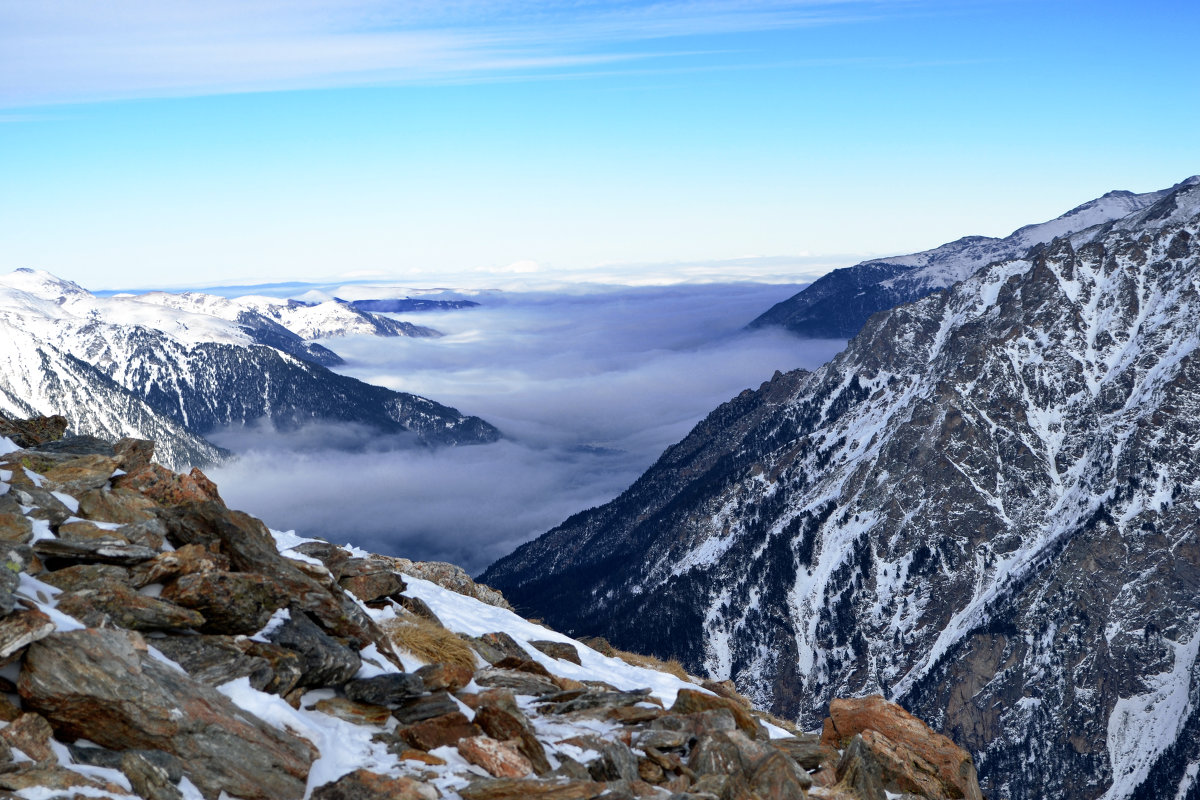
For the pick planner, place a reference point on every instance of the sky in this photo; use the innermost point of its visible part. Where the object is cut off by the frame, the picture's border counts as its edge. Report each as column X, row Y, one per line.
column 588, row 390
column 158, row 143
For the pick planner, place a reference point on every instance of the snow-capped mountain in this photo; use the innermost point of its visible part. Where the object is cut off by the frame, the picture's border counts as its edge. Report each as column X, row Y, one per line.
column 309, row 321
column 987, row 508
column 837, row 305
column 121, row 366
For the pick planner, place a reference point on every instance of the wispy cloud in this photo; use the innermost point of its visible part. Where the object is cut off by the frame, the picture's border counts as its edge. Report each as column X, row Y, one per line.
column 75, row 50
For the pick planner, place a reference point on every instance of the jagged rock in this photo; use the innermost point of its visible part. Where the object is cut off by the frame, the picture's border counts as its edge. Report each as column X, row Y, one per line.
column 777, row 776
column 33, row 432
column 691, row 701
column 423, row 708
column 187, row 560
column 214, row 660
column 384, row 690
column 952, row 766
column 422, row 756
column 106, row 599
column 81, row 474
column 108, row 550
column 132, row 454
column 498, row 714
column 231, row 602
column 103, row 757
column 14, row 559
column 605, row 700
column 364, row 785
column 324, row 662
column 31, row 734
column 500, row 759
column 718, row 753
column 15, row 527
column 84, row 530
column 123, row 506
column 369, row 580
column 103, row 686
column 518, row 789
column 567, row 652
column 450, row 677
column 495, row 647
column 519, row 682
column 437, row 732
column 332, row 556
column 616, row 761
column 420, row 608
column 22, row 628
column 807, row 750
column 250, row 548
column 169, row 488
column 859, row 773
column 452, row 577
column 350, row 711
column 149, row 780
column 51, row 777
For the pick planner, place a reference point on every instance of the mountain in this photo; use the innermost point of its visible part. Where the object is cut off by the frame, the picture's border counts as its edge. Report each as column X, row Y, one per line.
column 986, row 508
column 306, row 321
column 121, row 366
column 408, row 304
column 159, row 644
column 838, row 304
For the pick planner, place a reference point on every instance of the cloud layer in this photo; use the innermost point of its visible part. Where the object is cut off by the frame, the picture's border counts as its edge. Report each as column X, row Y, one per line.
column 588, row 389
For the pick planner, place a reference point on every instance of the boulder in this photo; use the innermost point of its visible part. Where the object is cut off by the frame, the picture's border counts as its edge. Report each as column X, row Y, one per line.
column 364, row 785
column 495, row 647
column 22, row 628
column 169, row 488
column 94, row 756
column 450, row 677
column 526, row 789
column 116, row 505
column 616, row 761
column 187, row 560
column 498, row 714
column 350, row 711
column 33, row 432
column 858, row 772
column 438, row 731
column 132, row 454
column 953, row 766
column 15, row 527
column 231, row 602
column 426, row 707
column 104, row 686
column 150, row 780
column 567, row 652
column 215, row 660
column 777, row 776
column 105, row 550
column 500, row 759
column 384, row 690
column 369, row 580
column 323, row 660
column 106, row 600
column 31, row 734
column 691, row 701
column 78, row 475
column 519, row 682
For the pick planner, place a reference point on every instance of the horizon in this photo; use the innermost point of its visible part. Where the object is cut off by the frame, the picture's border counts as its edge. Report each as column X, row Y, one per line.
column 625, row 143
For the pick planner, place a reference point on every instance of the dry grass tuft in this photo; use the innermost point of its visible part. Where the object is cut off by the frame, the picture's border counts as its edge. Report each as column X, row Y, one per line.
column 671, row 667
column 428, row 641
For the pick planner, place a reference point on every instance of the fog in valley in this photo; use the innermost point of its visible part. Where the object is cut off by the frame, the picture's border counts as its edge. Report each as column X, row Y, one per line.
column 588, row 389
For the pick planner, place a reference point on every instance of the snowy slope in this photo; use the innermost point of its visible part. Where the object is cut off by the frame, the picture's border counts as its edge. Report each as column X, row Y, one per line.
column 121, row 366
column 837, row 305
column 986, row 508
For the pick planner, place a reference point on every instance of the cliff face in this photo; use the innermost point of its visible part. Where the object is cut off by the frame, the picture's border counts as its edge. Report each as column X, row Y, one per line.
column 986, row 508
column 157, row 643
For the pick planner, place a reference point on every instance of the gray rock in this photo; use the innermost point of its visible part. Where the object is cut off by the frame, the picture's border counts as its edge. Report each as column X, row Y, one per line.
column 231, row 602
column 567, row 652
column 111, row 759
column 495, row 647
column 423, row 708
column 214, row 660
column 324, row 662
column 92, row 551
column 860, row 772
column 386, row 690
column 149, row 780
column 519, row 682
column 102, row 685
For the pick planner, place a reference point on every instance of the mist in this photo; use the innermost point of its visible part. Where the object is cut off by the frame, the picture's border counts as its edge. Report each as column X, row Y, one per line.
column 588, row 389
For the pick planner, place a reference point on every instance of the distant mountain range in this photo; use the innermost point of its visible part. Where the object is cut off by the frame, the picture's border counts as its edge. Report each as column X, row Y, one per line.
column 838, row 304
column 409, row 304
column 986, row 508
column 177, row 367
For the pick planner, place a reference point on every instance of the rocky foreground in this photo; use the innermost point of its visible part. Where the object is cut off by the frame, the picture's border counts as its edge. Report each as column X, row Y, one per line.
column 155, row 643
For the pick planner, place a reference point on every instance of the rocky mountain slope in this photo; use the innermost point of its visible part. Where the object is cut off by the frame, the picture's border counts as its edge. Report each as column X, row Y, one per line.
column 837, row 305
column 123, row 367
column 157, row 644
column 987, row 508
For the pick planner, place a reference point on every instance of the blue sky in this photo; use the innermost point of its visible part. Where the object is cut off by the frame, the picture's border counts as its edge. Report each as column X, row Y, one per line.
column 164, row 143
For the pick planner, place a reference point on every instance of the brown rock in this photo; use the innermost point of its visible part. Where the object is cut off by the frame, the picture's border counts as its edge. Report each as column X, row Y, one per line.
column 102, row 685
column 954, row 767
column 81, row 529
column 727, row 690
column 350, row 711
column 22, row 628
column 500, row 717
column 369, row 580
column 419, row 709
column 495, row 647
column 132, row 454
column 106, row 550
column 691, row 701
column 15, row 527
column 108, row 600
column 34, row 431
column 423, row 757
column 450, row 677
column 567, row 652
column 231, row 602
column 169, row 488
column 500, row 759
column 187, row 560
column 55, row 778
column 364, row 785
column 903, row 770
column 807, row 751
column 115, row 505
column 518, row 789
column 149, row 780
column 858, row 772
column 438, row 732
column 519, row 682
column 8, row 712
column 777, row 776
column 31, row 734
column 81, row 474
column 650, row 771
column 79, row 576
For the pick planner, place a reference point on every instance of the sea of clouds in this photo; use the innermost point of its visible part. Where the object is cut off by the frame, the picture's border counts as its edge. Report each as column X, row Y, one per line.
column 588, row 388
